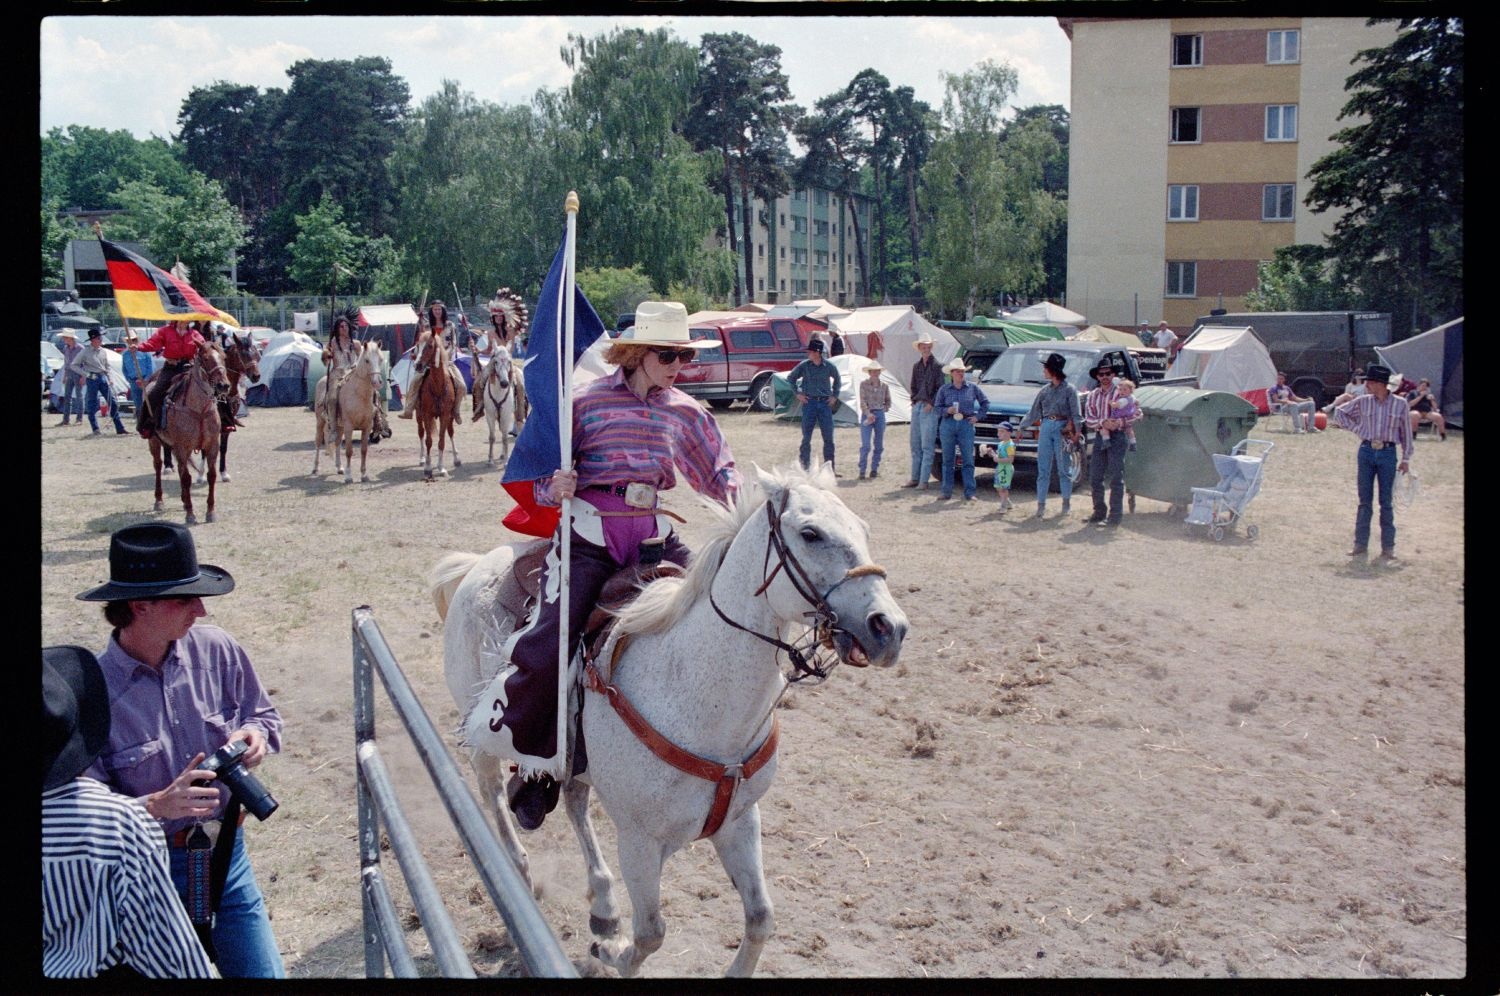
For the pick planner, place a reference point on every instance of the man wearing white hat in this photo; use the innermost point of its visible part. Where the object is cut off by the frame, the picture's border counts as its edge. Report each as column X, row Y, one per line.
column 874, row 402
column 72, row 380
column 631, row 430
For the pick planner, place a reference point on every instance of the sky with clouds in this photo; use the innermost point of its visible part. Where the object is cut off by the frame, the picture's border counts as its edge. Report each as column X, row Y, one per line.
column 134, row 72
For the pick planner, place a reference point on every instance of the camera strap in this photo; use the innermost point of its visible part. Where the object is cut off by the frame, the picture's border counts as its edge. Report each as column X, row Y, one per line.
column 223, row 847
column 199, row 901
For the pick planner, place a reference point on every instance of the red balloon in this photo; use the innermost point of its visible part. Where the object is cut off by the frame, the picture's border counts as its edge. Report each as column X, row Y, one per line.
column 1320, row 421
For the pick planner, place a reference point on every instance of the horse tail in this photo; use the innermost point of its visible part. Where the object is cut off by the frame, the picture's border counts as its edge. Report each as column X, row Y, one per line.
column 444, row 578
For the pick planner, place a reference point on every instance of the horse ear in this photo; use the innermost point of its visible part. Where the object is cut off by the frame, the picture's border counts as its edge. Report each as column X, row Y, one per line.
column 771, row 485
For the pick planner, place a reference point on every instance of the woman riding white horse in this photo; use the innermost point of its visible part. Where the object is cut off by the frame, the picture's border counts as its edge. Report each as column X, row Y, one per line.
column 630, row 431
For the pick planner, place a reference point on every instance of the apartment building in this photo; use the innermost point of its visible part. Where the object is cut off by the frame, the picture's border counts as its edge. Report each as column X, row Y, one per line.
column 1190, row 145
column 803, row 246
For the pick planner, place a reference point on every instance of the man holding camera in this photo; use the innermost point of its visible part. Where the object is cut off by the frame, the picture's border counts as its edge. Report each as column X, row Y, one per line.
column 179, row 694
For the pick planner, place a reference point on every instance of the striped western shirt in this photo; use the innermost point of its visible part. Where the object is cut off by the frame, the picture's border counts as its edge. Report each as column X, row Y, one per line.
column 620, row 439
column 1371, row 419
column 107, row 894
column 1099, row 406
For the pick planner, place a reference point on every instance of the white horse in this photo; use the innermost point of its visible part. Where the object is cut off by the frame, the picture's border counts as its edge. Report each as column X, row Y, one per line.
column 496, row 400
column 788, row 550
column 355, row 398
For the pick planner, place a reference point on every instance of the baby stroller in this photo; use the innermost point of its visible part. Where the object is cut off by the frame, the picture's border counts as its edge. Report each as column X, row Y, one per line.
column 1240, row 473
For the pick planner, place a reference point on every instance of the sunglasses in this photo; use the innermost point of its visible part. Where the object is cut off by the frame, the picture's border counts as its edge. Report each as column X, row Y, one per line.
column 1104, row 373
column 671, row 355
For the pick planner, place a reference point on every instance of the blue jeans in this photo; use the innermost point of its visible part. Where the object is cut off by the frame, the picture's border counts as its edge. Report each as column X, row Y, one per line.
column 1376, row 465
column 97, row 385
column 868, row 432
column 816, row 412
column 72, row 397
column 1050, row 451
column 958, row 440
column 242, row 931
column 924, row 423
column 1108, row 464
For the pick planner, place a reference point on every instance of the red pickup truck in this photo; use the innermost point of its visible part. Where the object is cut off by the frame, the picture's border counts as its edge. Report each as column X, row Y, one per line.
column 751, row 350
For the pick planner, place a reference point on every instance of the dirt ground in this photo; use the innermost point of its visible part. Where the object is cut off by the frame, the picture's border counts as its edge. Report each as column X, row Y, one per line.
column 1133, row 753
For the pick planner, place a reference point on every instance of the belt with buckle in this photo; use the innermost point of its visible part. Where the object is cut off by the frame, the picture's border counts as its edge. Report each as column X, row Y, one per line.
column 636, row 495
column 1055, row 418
column 1377, row 444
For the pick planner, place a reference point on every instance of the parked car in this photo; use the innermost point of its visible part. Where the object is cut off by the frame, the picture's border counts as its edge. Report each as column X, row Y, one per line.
column 62, row 310
column 1317, row 350
column 752, row 349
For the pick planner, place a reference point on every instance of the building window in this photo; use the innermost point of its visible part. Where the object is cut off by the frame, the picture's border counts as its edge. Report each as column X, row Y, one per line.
column 820, row 287
column 799, row 223
column 820, row 228
column 783, row 221
column 783, row 252
column 783, row 285
column 1185, row 124
column 801, row 287
column 1182, row 279
column 820, row 257
column 1278, row 202
column 799, row 196
column 1182, row 202
column 1284, row 46
column 799, row 257
column 761, row 283
column 820, row 197
column 1187, row 50
column 1281, row 122
column 760, row 250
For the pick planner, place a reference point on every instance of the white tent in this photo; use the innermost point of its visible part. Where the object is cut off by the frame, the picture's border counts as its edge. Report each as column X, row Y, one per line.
column 1438, row 355
column 1226, row 359
column 1047, row 313
column 852, row 373
column 822, row 309
column 302, row 359
column 898, row 327
column 704, row 317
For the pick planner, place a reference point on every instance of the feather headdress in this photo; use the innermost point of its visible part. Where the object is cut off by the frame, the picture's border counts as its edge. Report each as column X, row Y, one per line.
column 511, row 308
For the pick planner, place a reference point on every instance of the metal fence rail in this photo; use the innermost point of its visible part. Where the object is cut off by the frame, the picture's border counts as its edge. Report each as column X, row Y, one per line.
column 539, row 948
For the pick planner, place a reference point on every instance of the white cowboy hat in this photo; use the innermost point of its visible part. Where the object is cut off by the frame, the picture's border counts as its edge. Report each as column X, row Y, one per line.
column 925, row 339
column 68, row 334
column 664, row 323
column 955, row 364
column 874, row 365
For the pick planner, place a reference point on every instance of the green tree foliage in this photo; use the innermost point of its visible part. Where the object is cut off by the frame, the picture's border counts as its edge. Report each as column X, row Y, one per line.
column 1298, row 278
column 323, row 243
column 908, row 126
column 990, row 216
column 869, row 99
column 1054, row 182
column 85, row 167
column 228, row 132
column 56, row 233
column 740, row 110
column 1398, row 175
column 835, row 150
column 644, row 193
column 615, row 291
column 200, row 227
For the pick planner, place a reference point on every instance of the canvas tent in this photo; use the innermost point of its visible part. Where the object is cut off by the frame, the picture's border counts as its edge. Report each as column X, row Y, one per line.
column 290, row 363
column 852, row 373
column 1018, row 331
column 394, row 326
column 1227, row 359
column 707, row 317
column 1098, row 333
column 1047, row 313
column 822, row 309
column 1438, row 355
column 898, row 327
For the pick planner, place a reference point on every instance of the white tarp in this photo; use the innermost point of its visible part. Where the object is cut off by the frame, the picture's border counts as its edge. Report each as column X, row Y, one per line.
column 1438, row 355
column 117, row 382
column 821, row 308
column 388, row 314
column 305, row 321
column 852, row 372
column 1047, row 313
column 898, row 327
column 1225, row 359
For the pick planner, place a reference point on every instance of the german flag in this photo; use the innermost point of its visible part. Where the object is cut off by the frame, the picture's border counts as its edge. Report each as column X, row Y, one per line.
column 149, row 292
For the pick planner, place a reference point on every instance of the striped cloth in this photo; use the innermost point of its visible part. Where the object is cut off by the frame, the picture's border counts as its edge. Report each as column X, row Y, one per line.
column 1371, row 419
column 107, row 894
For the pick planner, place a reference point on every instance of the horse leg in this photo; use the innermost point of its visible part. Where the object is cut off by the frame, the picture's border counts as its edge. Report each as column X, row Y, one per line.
column 185, row 476
column 491, row 774
column 156, row 463
column 346, row 439
column 738, row 845
column 223, row 456
column 641, row 859
column 364, row 449
column 213, row 479
column 604, row 913
column 453, row 443
column 489, row 420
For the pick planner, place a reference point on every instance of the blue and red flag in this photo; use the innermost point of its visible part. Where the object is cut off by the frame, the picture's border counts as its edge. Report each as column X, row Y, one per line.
column 537, row 453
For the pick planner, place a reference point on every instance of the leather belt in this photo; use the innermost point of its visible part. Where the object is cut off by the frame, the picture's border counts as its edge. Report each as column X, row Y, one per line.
column 1377, row 444
column 635, row 495
column 1055, row 418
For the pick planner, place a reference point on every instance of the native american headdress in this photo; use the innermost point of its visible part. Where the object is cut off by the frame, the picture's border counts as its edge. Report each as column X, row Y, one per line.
column 511, row 308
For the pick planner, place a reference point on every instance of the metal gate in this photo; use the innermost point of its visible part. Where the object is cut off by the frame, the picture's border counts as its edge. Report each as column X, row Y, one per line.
column 539, row 948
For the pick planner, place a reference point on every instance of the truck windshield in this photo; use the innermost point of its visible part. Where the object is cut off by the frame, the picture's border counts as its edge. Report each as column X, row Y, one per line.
column 1024, row 366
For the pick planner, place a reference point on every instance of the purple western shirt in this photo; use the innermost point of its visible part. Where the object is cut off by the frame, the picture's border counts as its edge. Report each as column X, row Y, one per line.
column 158, row 720
column 1371, row 419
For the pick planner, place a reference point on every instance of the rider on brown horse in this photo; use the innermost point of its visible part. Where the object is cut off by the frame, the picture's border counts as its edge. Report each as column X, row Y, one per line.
column 435, row 324
column 178, row 343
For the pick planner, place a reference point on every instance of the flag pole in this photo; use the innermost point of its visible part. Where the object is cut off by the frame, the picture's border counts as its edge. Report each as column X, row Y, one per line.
column 565, row 452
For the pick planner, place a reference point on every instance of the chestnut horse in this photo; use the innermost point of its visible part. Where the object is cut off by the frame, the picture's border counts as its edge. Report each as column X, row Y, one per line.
column 189, row 422
column 439, row 404
column 241, row 359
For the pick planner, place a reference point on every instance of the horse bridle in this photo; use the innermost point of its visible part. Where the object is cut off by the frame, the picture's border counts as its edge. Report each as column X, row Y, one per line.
column 810, row 659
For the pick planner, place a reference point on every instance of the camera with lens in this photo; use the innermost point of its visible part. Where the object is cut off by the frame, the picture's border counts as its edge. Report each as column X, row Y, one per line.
column 227, row 764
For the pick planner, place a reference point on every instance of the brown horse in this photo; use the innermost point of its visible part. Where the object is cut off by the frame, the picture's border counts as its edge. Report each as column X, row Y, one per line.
column 241, row 360
column 189, row 422
column 354, row 408
column 439, row 404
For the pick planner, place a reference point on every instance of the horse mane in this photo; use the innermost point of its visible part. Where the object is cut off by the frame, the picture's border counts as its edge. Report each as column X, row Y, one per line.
column 662, row 603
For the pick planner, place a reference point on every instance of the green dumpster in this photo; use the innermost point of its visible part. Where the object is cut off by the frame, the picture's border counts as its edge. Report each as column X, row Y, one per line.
column 1180, row 430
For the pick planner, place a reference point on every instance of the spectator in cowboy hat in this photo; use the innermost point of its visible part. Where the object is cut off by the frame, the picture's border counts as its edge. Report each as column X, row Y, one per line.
column 1055, row 409
column 72, row 403
column 190, row 689
column 109, row 909
column 1382, row 421
column 816, row 383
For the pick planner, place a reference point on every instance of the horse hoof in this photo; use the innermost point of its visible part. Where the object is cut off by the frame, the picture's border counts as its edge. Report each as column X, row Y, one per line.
column 210, row 517
column 192, row 519
column 156, row 507
column 600, row 927
column 224, row 478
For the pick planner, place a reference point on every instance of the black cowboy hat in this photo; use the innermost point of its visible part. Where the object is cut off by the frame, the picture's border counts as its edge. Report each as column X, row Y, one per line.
column 75, row 713
column 157, row 560
column 815, row 345
column 1103, row 364
column 1055, row 362
column 1378, row 372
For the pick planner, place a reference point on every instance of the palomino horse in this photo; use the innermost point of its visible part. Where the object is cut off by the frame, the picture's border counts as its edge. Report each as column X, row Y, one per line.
column 354, row 408
column 494, row 400
column 241, row 360
column 788, row 551
column 439, row 405
column 189, row 422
